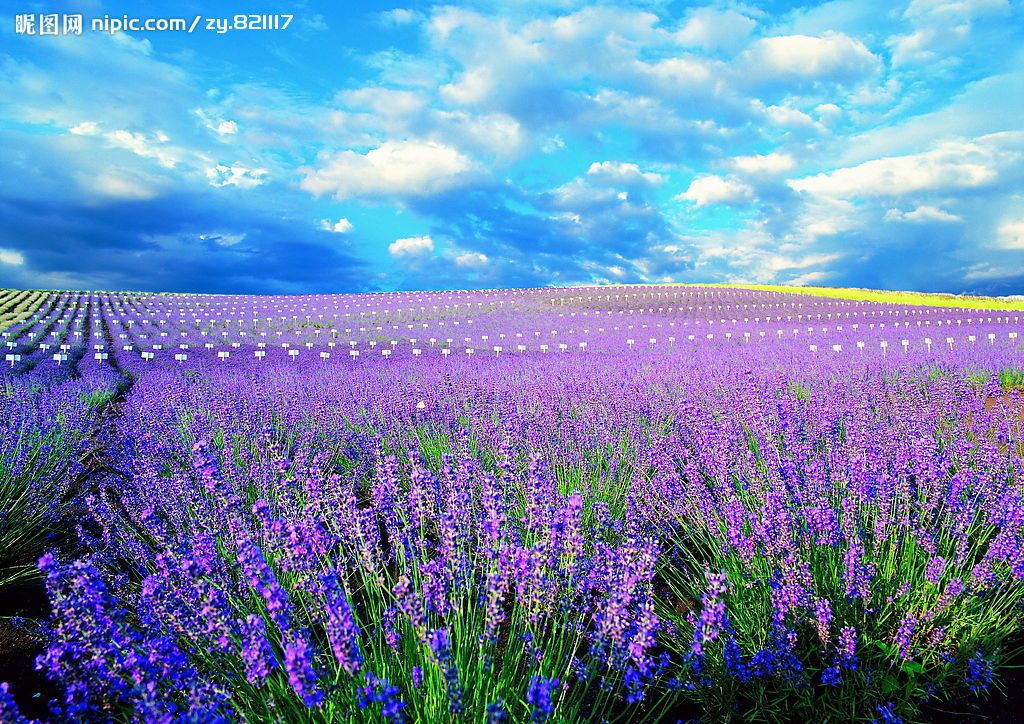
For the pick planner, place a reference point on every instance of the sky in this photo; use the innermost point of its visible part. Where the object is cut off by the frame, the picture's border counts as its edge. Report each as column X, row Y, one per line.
column 385, row 146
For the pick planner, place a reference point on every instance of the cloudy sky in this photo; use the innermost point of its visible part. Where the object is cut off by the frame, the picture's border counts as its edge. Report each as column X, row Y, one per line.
column 498, row 144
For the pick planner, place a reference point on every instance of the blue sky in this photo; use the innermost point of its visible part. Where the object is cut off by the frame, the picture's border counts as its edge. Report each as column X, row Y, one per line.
column 379, row 146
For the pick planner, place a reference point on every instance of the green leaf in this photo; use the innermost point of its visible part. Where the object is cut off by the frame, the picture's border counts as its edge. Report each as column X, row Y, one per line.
column 887, row 648
column 890, row 684
column 913, row 667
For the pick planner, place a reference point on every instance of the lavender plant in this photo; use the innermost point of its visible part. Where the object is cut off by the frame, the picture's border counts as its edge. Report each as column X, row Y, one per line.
column 550, row 505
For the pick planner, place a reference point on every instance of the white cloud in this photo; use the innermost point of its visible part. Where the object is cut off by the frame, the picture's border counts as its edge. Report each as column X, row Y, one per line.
column 628, row 174
column 767, row 163
column 153, row 146
column 411, row 246
column 9, row 256
column 705, row 190
column 952, row 165
column 120, row 184
column 85, row 128
column 926, row 44
column 495, row 134
column 787, row 116
column 472, row 260
column 710, row 28
column 780, row 262
column 808, row 279
column 223, row 239
column 832, row 56
column 472, row 86
column 824, row 216
column 236, row 175
column 978, row 109
column 681, row 73
column 828, row 112
column 385, row 102
column 140, row 145
column 941, row 28
column 953, row 9
column 923, row 214
column 983, row 271
column 219, row 126
column 400, row 16
column 1010, row 234
column 415, row 168
column 552, row 144
column 341, row 226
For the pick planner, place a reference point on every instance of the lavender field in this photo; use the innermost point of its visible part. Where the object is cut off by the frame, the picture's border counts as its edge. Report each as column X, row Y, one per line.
column 546, row 505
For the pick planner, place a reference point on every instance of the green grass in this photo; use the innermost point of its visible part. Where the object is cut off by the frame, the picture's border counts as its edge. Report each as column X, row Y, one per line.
column 17, row 306
column 882, row 296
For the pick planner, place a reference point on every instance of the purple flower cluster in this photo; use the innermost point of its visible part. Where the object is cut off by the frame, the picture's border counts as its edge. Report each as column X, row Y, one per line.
column 700, row 497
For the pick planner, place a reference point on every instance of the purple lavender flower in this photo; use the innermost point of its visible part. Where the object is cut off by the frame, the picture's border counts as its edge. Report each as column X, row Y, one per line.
column 256, row 653
column 713, row 617
column 903, row 635
column 887, row 715
column 298, row 662
column 538, row 696
column 378, row 690
column 441, row 646
column 980, row 672
column 847, row 647
column 936, row 567
column 496, row 713
column 823, row 618
column 734, row 663
column 9, row 711
column 643, row 640
column 831, row 676
column 342, row 629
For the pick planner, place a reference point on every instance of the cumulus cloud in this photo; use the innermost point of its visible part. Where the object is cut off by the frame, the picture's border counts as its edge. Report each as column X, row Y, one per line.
column 497, row 135
column 953, row 165
column 769, row 163
column 235, row 175
column 219, row 126
column 12, row 257
column 823, row 217
column 341, row 226
column 140, row 144
column 711, row 28
column 623, row 174
column 120, row 185
column 445, row 129
column 808, row 279
column 472, row 260
column 1010, row 234
column 923, row 214
column 400, row 16
column 986, row 271
column 940, row 29
column 712, row 189
column 412, row 246
column 384, row 101
column 957, row 9
column 395, row 168
column 85, row 128
column 832, row 56
column 787, row 117
column 154, row 145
